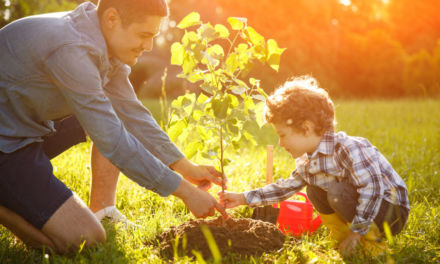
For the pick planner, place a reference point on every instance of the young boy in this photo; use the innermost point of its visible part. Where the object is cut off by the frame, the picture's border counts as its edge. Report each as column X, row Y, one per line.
column 348, row 180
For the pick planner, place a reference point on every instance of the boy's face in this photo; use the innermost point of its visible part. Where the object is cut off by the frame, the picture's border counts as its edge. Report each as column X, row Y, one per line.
column 295, row 142
column 128, row 42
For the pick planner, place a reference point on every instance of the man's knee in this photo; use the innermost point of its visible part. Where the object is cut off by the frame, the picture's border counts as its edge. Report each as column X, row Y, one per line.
column 91, row 236
column 72, row 224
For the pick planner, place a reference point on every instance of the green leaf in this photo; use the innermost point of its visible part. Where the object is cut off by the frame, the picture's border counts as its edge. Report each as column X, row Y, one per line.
column 175, row 130
column 189, row 63
column 193, row 78
column 272, row 48
column 202, row 98
column 254, row 82
column 220, row 107
column 259, row 108
column 262, row 92
column 259, row 97
column 197, row 114
column 177, row 53
column 232, row 63
column 222, row 31
column 254, row 36
column 208, row 59
column 216, row 51
column 189, row 38
column 237, row 23
column 188, row 99
column 207, row 32
column 239, row 90
column 274, row 54
column 234, row 101
column 274, row 61
column 190, row 20
column 192, row 148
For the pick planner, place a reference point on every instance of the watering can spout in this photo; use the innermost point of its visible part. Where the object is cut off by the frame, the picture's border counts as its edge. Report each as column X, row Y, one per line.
column 316, row 223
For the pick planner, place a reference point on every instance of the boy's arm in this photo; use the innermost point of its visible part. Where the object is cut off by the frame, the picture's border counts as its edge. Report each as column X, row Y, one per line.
column 275, row 192
column 364, row 168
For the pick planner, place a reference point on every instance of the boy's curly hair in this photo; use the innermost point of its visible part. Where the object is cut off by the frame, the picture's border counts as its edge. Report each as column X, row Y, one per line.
column 298, row 100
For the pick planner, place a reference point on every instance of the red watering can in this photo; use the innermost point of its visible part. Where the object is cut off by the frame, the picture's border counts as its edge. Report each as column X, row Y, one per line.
column 296, row 217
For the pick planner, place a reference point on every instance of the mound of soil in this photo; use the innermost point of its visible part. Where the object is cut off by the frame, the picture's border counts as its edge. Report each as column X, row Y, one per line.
column 242, row 236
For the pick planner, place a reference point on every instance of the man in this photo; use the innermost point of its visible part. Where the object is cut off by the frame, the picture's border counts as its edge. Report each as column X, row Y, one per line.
column 73, row 68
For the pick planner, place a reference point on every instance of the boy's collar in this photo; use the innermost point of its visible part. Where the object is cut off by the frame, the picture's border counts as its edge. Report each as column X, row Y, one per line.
column 326, row 146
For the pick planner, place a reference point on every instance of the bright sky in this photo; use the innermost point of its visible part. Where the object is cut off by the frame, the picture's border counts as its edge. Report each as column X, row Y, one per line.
column 345, row 2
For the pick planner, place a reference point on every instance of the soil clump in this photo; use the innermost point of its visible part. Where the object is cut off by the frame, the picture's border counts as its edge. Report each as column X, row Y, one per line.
column 242, row 236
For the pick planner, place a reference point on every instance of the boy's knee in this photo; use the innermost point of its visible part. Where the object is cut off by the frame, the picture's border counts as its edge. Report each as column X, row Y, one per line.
column 340, row 193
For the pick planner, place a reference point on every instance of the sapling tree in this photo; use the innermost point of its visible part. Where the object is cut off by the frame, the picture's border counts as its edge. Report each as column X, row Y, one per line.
column 220, row 59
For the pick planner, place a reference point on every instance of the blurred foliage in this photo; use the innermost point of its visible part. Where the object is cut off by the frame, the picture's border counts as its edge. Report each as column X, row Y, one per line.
column 11, row 10
column 357, row 48
column 362, row 48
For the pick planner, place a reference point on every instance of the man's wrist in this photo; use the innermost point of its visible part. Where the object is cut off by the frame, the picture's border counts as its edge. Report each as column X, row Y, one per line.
column 181, row 166
column 184, row 190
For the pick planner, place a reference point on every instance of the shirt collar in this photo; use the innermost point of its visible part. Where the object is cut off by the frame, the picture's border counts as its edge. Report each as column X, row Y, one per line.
column 327, row 144
column 85, row 20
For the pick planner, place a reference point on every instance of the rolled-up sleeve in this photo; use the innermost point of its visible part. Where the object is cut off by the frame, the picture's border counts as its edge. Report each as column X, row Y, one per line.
column 275, row 192
column 138, row 120
column 73, row 69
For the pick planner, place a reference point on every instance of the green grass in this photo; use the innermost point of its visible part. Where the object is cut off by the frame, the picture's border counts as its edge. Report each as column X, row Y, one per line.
column 407, row 132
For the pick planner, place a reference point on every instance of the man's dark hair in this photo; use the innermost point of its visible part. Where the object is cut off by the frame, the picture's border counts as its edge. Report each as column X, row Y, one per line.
column 134, row 10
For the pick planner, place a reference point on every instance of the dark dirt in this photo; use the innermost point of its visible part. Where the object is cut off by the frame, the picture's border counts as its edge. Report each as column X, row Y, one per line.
column 242, row 236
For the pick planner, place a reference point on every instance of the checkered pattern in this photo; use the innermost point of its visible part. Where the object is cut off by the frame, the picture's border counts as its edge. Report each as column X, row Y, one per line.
column 341, row 158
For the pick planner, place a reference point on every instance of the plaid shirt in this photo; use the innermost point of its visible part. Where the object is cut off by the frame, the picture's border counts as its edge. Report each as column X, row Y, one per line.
column 341, row 158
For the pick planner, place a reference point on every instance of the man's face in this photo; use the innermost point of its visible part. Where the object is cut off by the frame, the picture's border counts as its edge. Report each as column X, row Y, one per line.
column 128, row 42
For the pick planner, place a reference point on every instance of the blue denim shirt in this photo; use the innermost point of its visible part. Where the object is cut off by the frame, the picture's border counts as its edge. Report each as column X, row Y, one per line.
column 55, row 65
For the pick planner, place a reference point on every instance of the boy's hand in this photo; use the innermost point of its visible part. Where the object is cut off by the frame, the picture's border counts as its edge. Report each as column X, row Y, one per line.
column 231, row 199
column 347, row 246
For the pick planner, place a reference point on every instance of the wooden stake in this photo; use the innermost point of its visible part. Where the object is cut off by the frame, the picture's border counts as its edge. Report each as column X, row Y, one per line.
column 269, row 164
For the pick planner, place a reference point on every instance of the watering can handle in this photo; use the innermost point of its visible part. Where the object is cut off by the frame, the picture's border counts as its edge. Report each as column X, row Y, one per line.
column 304, row 195
column 315, row 222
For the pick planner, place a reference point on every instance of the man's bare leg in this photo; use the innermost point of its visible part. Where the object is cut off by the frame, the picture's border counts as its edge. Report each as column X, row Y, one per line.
column 26, row 232
column 72, row 224
column 104, row 182
column 65, row 230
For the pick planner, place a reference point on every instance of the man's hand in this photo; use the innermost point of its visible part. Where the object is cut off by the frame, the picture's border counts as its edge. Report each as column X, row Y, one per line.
column 200, row 175
column 347, row 246
column 231, row 199
column 200, row 203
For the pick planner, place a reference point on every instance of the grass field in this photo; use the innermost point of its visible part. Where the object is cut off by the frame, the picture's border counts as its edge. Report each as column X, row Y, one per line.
column 407, row 132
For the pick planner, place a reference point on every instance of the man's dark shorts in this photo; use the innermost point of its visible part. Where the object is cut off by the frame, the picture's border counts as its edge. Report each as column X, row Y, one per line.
column 27, row 184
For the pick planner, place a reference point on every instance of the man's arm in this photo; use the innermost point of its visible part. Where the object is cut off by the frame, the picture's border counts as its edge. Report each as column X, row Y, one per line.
column 74, row 72
column 140, row 123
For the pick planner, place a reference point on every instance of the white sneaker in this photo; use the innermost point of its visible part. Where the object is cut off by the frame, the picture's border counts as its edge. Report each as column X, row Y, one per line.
column 114, row 215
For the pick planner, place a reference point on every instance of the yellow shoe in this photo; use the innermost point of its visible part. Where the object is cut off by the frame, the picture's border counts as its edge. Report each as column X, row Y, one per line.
column 338, row 228
column 373, row 243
